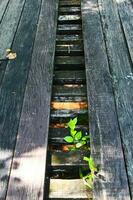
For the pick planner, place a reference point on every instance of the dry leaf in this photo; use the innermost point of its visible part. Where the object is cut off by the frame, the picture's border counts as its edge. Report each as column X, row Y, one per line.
column 11, row 56
column 8, row 50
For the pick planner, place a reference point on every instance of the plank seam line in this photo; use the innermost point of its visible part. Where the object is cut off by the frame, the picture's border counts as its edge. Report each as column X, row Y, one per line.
column 23, row 93
column 4, row 11
column 125, row 39
column 110, row 71
column 13, row 41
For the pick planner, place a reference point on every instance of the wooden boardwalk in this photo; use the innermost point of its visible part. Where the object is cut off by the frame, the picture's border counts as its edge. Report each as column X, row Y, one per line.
column 28, row 27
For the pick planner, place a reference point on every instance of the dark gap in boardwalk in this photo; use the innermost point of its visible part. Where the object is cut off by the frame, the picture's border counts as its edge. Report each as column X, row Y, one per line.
column 69, row 100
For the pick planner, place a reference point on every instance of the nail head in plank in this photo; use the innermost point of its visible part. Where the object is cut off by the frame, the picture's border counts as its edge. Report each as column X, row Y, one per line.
column 104, row 128
column 31, row 146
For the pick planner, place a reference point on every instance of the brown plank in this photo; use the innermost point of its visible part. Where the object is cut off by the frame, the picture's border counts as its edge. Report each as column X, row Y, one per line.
column 106, row 144
column 121, row 71
column 31, row 146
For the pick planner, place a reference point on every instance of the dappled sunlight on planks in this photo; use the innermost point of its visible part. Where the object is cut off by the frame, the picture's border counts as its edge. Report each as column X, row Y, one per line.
column 27, row 171
column 69, row 105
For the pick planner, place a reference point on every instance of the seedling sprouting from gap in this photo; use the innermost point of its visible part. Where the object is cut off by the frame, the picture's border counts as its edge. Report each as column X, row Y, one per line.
column 79, row 140
column 75, row 137
column 89, row 178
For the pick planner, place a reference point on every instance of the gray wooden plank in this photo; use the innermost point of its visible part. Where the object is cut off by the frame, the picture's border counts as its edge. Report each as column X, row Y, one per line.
column 13, row 87
column 72, row 189
column 69, row 60
column 121, row 70
column 69, row 49
column 68, row 158
column 8, row 28
column 3, row 6
column 56, row 135
column 69, row 3
column 69, row 90
column 69, row 10
column 69, row 77
column 31, row 146
column 106, row 144
column 126, row 14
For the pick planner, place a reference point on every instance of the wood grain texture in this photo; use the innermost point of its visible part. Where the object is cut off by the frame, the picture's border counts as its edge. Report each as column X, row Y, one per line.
column 121, row 71
column 69, row 189
column 8, row 28
column 13, row 87
column 105, row 135
column 3, row 5
column 125, row 9
column 27, row 179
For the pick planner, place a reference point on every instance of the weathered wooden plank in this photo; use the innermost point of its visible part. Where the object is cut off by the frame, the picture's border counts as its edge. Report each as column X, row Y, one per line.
column 3, row 6
column 69, row 50
column 69, row 10
column 31, row 146
column 68, row 38
column 66, row 172
column 13, row 87
column 8, row 27
column 69, row 28
column 56, row 135
column 69, row 90
column 69, row 60
column 69, row 98
column 69, row 3
column 63, row 116
column 121, row 70
column 126, row 14
column 73, row 189
column 68, row 158
column 69, row 19
column 69, row 77
column 104, row 128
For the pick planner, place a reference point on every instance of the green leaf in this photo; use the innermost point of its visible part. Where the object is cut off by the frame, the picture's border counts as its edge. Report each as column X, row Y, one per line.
column 72, row 123
column 78, row 135
column 78, row 145
column 86, row 158
column 73, row 132
column 68, row 139
column 85, row 138
column 92, row 165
